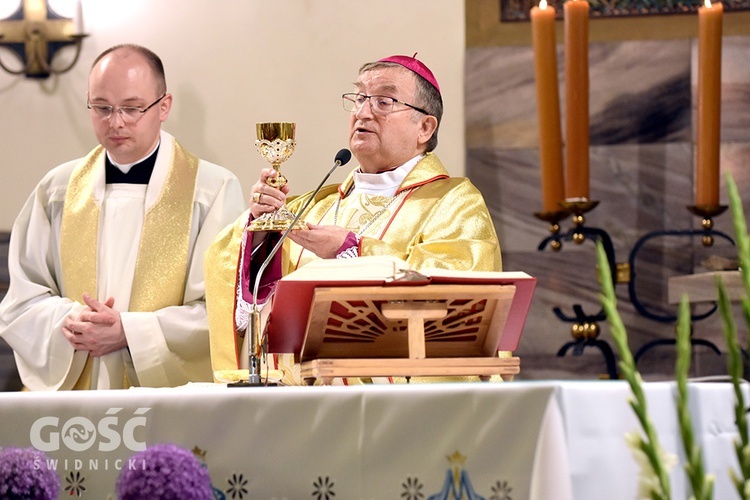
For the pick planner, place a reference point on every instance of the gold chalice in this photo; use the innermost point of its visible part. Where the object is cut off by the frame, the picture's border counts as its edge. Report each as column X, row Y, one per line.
column 276, row 144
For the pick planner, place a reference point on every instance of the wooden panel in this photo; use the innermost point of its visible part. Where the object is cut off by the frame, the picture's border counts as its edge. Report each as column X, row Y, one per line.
column 348, row 322
column 450, row 367
column 701, row 287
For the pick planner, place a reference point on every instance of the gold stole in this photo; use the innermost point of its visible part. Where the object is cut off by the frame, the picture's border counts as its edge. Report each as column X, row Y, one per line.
column 161, row 266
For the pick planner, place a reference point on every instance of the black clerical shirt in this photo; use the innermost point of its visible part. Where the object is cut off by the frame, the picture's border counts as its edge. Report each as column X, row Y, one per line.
column 140, row 173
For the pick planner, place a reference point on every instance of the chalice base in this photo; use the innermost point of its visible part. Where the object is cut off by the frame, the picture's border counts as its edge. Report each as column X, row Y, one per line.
column 280, row 220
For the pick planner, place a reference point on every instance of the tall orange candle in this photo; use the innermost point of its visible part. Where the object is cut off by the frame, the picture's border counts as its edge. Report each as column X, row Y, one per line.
column 709, row 104
column 548, row 105
column 576, row 14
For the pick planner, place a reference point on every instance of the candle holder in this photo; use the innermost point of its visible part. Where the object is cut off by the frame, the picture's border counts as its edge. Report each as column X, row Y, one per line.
column 643, row 310
column 585, row 328
column 707, row 212
column 553, row 218
column 578, row 207
column 708, row 235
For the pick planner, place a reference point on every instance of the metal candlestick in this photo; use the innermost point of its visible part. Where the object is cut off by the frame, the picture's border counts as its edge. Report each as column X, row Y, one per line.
column 553, row 218
column 585, row 329
column 708, row 235
column 578, row 207
column 707, row 212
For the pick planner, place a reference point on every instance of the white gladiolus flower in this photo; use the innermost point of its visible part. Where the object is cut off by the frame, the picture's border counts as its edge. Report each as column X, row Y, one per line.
column 648, row 481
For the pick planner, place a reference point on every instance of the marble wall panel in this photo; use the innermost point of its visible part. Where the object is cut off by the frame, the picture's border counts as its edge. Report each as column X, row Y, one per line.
column 641, row 171
column 500, row 98
column 735, row 161
column 639, row 187
column 639, row 92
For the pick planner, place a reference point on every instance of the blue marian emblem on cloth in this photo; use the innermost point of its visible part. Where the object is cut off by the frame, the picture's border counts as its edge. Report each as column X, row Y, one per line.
column 457, row 484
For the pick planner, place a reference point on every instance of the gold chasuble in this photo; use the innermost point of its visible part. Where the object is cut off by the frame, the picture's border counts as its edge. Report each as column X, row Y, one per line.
column 432, row 221
column 221, row 268
column 161, row 265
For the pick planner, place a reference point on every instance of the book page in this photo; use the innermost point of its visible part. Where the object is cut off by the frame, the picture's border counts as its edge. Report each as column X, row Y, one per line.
column 371, row 268
column 453, row 273
column 384, row 267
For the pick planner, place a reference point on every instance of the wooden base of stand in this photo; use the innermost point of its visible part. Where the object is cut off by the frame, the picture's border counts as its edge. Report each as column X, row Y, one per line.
column 327, row 369
column 438, row 330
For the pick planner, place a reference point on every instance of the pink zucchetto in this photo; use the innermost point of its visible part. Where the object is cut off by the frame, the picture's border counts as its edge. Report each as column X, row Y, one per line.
column 415, row 65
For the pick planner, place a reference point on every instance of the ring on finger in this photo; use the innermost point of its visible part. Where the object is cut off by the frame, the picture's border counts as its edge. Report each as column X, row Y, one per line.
column 256, row 196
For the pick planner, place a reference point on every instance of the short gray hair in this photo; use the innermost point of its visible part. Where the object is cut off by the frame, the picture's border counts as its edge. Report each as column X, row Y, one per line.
column 427, row 95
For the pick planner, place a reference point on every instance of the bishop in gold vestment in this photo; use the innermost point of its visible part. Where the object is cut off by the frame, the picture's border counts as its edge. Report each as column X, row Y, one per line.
column 400, row 201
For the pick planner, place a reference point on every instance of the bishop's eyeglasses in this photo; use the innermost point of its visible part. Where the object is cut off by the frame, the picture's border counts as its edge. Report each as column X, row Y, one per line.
column 380, row 104
column 129, row 114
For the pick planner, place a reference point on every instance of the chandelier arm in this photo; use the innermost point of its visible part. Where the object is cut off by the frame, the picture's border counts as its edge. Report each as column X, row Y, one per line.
column 37, row 41
column 11, row 71
column 78, row 44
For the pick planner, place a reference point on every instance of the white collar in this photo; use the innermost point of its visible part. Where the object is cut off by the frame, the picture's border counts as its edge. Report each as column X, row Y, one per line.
column 125, row 167
column 383, row 183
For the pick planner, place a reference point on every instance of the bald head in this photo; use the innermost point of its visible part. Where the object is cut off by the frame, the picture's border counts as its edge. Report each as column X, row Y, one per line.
column 128, row 50
column 128, row 77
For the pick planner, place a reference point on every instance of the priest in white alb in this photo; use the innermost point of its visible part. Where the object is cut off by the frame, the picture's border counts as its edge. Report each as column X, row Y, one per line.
column 106, row 256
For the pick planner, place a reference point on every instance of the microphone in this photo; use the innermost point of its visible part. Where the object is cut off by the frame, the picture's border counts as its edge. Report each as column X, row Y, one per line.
column 342, row 158
column 254, row 346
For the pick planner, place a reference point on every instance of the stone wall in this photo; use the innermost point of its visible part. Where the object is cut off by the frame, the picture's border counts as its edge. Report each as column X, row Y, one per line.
column 642, row 108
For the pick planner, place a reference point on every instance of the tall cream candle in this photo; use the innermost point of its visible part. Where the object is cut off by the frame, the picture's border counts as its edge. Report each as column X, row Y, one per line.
column 548, row 106
column 576, row 15
column 708, row 134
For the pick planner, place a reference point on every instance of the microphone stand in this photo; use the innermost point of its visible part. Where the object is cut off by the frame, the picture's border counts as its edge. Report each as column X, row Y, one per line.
column 255, row 344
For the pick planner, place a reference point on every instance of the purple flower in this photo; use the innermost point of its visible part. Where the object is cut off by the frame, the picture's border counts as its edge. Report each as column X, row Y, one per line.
column 164, row 471
column 25, row 474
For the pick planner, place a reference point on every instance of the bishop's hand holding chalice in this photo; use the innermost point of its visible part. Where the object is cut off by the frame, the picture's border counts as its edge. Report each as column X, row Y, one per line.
column 275, row 143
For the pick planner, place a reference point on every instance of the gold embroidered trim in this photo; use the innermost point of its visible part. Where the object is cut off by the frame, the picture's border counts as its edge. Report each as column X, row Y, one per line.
column 161, row 266
column 165, row 240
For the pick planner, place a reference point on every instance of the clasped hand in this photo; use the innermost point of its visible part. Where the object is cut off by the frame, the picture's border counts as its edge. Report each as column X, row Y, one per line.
column 97, row 329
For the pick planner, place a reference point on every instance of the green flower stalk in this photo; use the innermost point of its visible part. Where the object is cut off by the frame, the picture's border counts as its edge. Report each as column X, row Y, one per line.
column 734, row 362
column 701, row 483
column 654, row 473
column 740, row 233
column 735, row 358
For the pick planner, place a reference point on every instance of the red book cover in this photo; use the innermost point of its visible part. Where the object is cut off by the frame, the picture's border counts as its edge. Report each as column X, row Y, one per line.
column 293, row 297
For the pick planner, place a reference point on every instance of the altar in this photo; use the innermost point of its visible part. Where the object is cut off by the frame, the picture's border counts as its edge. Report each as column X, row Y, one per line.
column 519, row 440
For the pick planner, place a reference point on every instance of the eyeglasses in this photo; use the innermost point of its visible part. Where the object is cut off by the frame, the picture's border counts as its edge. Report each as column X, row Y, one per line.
column 129, row 114
column 380, row 104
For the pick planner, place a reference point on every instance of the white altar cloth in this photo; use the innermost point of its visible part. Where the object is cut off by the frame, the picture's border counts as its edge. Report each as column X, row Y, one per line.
column 300, row 442
column 597, row 416
column 519, row 440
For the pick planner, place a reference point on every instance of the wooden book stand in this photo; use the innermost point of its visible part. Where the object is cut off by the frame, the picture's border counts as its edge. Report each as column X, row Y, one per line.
column 429, row 330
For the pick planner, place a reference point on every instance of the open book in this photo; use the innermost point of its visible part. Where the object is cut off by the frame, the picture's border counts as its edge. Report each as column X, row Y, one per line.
column 293, row 306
